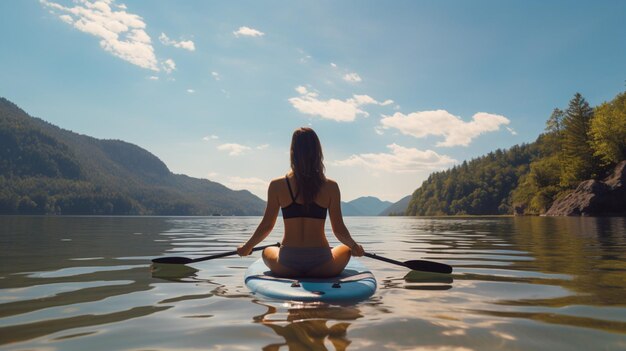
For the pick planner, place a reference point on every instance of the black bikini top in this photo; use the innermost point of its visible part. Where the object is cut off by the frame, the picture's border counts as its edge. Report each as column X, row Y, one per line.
column 296, row 210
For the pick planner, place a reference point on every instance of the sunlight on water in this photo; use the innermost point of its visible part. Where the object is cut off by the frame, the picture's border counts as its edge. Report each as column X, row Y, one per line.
column 519, row 283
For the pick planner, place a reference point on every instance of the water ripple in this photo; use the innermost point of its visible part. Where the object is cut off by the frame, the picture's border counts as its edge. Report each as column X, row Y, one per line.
column 519, row 283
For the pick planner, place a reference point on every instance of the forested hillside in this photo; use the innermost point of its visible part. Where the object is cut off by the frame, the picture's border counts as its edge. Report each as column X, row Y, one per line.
column 479, row 187
column 580, row 143
column 47, row 170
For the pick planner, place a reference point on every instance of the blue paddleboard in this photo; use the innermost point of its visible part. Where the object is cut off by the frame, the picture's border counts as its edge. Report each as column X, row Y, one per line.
column 355, row 283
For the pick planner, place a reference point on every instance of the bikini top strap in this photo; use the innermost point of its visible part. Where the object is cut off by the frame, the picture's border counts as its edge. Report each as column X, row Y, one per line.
column 290, row 191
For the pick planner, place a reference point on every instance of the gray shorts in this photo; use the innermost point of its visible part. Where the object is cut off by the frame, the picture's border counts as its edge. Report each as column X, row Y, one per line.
column 303, row 259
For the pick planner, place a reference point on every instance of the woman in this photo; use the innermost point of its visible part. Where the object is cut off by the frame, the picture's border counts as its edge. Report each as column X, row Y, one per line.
column 304, row 195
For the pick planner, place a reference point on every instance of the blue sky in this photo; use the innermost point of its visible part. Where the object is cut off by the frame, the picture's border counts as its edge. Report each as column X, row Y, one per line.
column 395, row 90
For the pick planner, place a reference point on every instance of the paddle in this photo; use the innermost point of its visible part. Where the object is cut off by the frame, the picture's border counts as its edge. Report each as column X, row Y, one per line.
column 186, row 260
column 416, row 265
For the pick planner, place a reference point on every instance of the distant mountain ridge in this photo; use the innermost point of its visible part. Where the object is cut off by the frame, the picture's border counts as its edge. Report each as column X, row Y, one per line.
column 364, row 206
column 398, row 208
column 48, row 170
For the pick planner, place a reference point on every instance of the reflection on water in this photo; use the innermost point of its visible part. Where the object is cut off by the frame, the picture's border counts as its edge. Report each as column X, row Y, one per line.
column 68, row 283
column 428, row 281
column 308, row 326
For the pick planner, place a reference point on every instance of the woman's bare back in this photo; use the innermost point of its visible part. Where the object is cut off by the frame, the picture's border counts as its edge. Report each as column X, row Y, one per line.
column 303, row 231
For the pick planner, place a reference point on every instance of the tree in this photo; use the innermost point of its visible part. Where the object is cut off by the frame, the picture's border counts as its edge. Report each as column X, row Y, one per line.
column 555, row 122
column 577, row 161
column 538, row 188
column 608, row 131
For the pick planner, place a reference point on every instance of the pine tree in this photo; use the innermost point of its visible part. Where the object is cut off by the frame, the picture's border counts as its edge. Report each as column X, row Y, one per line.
column 577, row 160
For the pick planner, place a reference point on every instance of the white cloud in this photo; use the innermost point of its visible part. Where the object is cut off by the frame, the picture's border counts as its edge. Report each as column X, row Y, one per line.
column 334, row 109
column 364, row 100
column 352, row 78
column 333, row 65
column 263, row 146
column 511, row 130
column 169, row 65
column 233, row 149
column 191, row 91
column 216, row 75
column 210, row 137
column 248, row 32
column 185, row 44
column 121, row 33
column 399, row 160
column 67, row 19
column 442, row 123
column 153, row 78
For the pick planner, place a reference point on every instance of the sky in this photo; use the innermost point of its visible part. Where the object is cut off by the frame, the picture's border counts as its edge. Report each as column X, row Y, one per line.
column 395, row 90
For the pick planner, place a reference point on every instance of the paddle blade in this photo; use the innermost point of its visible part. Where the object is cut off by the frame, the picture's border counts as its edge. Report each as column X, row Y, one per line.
column 173, row 272
column 172, row 260
column 428, row 266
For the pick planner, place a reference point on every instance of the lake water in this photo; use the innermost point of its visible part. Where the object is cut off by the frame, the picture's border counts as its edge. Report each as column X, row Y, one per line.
column 84, row 283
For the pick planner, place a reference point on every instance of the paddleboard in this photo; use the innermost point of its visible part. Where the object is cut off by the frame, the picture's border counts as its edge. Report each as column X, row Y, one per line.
column 355, row 283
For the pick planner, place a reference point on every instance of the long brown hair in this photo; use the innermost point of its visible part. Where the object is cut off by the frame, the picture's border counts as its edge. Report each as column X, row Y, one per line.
column 307, row 163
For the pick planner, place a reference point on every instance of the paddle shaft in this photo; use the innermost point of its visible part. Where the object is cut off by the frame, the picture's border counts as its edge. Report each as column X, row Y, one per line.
column 230, row 253
column 389, row 260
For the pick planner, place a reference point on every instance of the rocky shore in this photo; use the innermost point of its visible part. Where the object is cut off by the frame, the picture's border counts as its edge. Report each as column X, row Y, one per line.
column 595, row 197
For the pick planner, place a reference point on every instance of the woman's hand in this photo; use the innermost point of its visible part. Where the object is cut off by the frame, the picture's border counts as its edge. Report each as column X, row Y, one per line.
column 357, row 250
column 244, row 250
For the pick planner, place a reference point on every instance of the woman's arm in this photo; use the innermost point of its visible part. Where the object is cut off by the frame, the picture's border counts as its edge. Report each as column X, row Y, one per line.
column 267, row 223
column 336, row 221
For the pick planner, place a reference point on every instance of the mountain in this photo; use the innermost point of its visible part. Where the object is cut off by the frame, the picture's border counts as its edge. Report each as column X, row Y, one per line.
column 48, row 170
column 398, row 208
column 364, row 206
